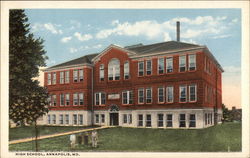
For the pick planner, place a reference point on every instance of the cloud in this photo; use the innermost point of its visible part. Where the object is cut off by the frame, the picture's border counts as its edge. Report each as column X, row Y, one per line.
column 66, row 39
column 235, row 20
column 75, row 24
column 53, row 28
column 84, row 37
column 73, row 50
column 151, row 29
column 222, row 36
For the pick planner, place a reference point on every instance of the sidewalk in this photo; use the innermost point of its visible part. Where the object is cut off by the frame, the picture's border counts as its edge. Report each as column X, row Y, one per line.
column 56, row 135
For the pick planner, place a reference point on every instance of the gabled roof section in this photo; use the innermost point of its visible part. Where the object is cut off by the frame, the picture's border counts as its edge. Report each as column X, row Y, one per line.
column 110, row 47
column 162, row 47
column 79, row 61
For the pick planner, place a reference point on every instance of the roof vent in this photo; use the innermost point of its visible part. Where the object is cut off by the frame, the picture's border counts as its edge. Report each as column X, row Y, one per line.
column 178, row 31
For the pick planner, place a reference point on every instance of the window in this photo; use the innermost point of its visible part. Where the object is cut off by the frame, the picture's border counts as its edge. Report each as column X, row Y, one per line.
column 49, row 119
column 75, row 96
column 67, row 99
column 192, row 120
column 54, row 119
column 169, row 120
column 61, row 119
column 100, row 98
column 66, row 119
column 81, row 75
column 169, row 62
column 81, row 99
column 141, row 68
column 160, row 120
column 140, row 95
column 182, row 120
column 148, row 95
column 170, row 94
column 49, row 78
column 74, row 119
column 140, row 120
column 125, row 118
column 205, row 118
column 61, row 99
column 67, row 77
column 192, row 62
column 161, row 95
column 54, row 100
column 49, row 100
column 80, row 117
column 183, row 93
column 126, row 70
column 96, row 118
column 114, row 69
column 61, row 77
column 54, row 78
column 101, row 72
column 130, row 118
column 149, row 67
column 160, row 65
column 127, row 97
column 192, row 93
column 103, row 118
column 148, row 120
column 75, row 75
column 182, row 63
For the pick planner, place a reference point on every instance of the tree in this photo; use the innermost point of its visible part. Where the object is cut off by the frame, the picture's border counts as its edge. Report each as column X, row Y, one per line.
column 27, row 100
column 226, row 114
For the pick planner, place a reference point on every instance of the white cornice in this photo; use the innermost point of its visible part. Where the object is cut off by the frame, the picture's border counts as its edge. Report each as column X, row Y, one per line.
column 68, row 67
column 97, row 58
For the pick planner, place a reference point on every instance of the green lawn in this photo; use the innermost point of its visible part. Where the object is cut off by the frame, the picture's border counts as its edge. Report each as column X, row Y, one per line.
column 217, row 138
column 29, row 131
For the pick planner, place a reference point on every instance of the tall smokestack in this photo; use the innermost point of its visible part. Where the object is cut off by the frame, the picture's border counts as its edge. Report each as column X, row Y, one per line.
column 178, row 31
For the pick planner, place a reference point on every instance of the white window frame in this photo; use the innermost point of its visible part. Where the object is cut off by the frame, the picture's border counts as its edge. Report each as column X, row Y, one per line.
column 81, row 98
column 62, row 99
column 129, row 99
column 192, row 121
column 67, row 99
column 53, row 119
column 149, row 97
column 148, row 121
column 148, row 69
column 66, row 119
column 101, row 98
column 66, row 76
column 190, row 63
column 61, row 119
column 114, row 71
column 195, row 93
column 169, row 120
column 159, row 65
column 142, row 90
column 75, row 119
column 182, row 63
column 54, row 78
column 75, row 99
column 102, row 118
column 125, row 118
column 182, row 120
column 75, row 75
column 140, row 121
column 141, row 70
column 54, row 101
column 81, row 75
column 80, row 119
column 49, row 119
column 62, row 77
column 180, row 90
column 167, row 94
column 101, row 72
column 126, row 70
column 169, row 64
column 160, row 121
column 163, row 95
column 97, row 118
column 49, row 79
column 130, row 119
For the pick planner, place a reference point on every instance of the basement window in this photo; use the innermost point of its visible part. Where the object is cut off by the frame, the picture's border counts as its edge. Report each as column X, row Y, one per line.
column 182, row 120
column 192, row 120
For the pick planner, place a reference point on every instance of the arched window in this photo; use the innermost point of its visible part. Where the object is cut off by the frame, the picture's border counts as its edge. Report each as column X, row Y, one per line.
column 114, row 69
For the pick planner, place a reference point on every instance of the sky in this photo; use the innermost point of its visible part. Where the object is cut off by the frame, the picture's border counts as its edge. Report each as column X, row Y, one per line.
column 72, row 33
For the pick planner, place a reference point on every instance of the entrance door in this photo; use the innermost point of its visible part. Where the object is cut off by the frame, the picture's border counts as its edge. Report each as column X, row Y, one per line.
column 114, row 119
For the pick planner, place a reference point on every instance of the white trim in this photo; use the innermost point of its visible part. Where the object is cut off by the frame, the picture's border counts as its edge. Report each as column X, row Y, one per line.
column 158, row 63
column 171, row 65
column 189, row 55
column 163, row 94
column 189, row 87
column 172, row 87
column 150, row 96
column 64, row 68
column 150, row 66
column 139, row 96
column 185, row 86
column 180, row 58
column 139, row 68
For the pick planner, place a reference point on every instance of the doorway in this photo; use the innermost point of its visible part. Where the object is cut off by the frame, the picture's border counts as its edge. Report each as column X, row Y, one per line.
column 114, row 119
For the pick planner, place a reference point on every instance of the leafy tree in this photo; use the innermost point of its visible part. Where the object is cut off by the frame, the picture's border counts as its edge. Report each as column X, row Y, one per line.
column 226, row 113
column 27, row 100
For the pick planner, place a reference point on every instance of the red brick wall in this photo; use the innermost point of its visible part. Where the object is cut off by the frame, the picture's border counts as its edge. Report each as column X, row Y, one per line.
column 199, row 76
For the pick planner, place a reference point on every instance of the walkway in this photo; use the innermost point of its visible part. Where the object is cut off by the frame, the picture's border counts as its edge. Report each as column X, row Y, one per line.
column 55, row 135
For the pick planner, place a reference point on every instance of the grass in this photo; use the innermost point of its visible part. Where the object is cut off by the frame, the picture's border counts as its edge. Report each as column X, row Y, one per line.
column 217, row 138
column 29, row 131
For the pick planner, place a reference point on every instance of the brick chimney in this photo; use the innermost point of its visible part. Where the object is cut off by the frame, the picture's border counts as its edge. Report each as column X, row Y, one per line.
column 178, row 31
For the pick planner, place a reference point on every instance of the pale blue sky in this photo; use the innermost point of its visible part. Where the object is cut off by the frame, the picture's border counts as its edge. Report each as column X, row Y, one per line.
column 72, row 33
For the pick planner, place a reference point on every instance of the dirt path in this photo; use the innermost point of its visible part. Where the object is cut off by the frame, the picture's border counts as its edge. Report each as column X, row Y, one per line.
column 55, row 135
